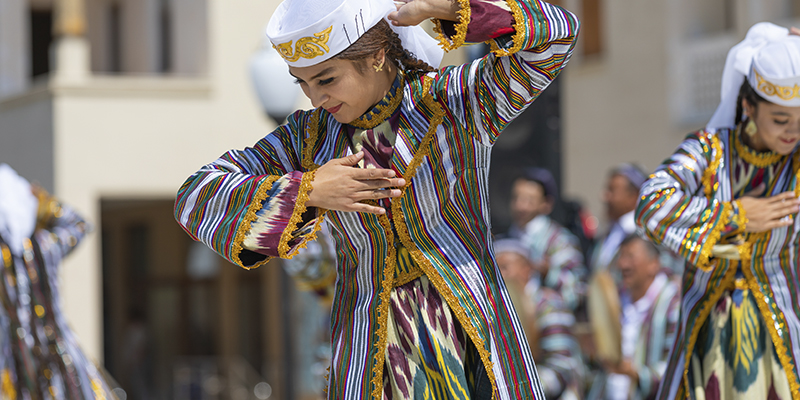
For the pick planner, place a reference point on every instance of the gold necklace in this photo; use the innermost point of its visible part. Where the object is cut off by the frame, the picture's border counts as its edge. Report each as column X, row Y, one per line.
column 752, row 157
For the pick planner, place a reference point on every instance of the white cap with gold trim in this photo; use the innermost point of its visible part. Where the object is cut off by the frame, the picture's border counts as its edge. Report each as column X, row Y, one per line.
column 308, row 32
column 769, row 58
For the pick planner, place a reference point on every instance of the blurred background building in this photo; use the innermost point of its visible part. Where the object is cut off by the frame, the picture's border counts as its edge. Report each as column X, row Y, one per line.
column 111, row 104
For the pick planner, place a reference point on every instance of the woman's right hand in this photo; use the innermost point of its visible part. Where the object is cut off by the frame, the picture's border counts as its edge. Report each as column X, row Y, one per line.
column 339, row 186
column 767, row 213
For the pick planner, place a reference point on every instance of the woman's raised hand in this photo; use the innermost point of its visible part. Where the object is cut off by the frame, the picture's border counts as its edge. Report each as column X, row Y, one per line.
column 412, row 12
column 768, row 213
column 339, row 186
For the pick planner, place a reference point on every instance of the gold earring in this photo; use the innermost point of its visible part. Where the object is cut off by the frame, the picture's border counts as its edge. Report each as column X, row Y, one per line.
column 750, row 129
column 378, row 67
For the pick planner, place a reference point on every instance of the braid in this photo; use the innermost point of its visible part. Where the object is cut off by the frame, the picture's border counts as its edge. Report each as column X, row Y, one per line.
column 381, row 36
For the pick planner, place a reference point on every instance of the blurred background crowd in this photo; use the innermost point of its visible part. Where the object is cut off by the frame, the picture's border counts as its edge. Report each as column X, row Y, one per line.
column 110, row 104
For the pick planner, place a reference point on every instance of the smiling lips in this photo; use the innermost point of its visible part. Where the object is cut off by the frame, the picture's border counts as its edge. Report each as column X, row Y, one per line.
column 333, row 110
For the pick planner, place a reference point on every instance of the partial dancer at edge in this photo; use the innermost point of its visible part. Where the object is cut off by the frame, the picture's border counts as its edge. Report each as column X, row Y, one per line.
column 725, row 201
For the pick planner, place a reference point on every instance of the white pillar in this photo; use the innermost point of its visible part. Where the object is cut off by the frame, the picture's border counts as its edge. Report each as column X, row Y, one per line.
column 71, row 49
column 190, row 37
column 14, row 47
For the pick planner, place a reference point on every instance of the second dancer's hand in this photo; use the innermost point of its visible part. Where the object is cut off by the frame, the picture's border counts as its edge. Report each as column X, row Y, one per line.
column 767, row 213
column 339, row 186
column 412, row 12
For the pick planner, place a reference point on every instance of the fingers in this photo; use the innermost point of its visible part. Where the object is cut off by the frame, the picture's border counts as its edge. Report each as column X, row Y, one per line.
column 785, row 196
column 351, row 160
column 794, row 31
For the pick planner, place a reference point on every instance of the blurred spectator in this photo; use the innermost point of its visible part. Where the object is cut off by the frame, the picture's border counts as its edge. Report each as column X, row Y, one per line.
column 650, row 310
column 39, row 354
column 620, row 196
column 553, row 250
column 546, row 320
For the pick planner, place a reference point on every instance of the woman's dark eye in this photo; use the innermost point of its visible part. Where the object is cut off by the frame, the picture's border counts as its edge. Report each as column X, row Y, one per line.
column 780, row 122
column 298, row 81
column 325, row 81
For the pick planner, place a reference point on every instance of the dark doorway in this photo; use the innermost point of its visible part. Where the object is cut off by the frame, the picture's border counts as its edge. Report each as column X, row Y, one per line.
column 41, row 40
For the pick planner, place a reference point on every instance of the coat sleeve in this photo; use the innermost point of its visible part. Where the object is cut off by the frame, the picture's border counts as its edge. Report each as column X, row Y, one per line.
column 676, row 208
column 250, row 205
column 650, row 375
column 531, row 42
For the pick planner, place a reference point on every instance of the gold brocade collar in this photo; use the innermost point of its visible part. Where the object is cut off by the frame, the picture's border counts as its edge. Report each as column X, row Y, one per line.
column 752, row 157
column 385, row 108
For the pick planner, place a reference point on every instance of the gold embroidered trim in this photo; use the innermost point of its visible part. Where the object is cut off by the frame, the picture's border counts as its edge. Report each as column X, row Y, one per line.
column 297, row 215
column 519, row 32
column 307, row 47
column 740, row 219
column 771, row 89
column 713, row 238
column 249, row 217
column 312, row 130
column 9, row 392
column 384, row 112
column 464, row 17
column 416, row 254
column 768, row 316
column 752, row 157
column 716, row 294
column 383, row 308
column 711, row 171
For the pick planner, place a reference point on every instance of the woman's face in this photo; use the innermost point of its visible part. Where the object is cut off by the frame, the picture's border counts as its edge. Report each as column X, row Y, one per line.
column 338, row 86
column 778, row 126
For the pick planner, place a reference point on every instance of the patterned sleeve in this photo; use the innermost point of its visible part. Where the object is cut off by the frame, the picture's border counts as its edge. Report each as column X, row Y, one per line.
column 59, row 228
column 250, row 205
column 674, row 209
column 560, row 364
column 650, row 375
column 531, row 42
column 567, row 267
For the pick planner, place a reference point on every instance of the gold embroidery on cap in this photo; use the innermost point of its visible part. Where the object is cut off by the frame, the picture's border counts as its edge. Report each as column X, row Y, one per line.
column 770, row 89
column 307, row 47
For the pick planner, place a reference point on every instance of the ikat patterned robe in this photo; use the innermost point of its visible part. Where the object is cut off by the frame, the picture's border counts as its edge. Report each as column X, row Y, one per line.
column 449, row 121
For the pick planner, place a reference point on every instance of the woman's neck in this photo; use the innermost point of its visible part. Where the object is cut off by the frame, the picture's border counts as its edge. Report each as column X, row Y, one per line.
column 754, row 142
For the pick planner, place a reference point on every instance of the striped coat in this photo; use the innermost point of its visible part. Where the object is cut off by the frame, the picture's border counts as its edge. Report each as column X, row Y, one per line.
column 449, row 121
column 688, row 206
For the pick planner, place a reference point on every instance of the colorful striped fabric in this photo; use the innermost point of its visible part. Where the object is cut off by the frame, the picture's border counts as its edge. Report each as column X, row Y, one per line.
column 689, row 205
column 40, row 356
column 558, row 355
column 449, row 121
column 552, row 243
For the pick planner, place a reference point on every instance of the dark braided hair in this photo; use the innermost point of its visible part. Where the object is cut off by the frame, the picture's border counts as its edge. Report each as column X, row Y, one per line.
column 381, row 36
column 749, row 94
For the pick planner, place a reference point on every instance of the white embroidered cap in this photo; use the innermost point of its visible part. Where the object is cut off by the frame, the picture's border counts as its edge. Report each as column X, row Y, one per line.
column 775, row 74
column 308, row 32
column 769, row 58
column 18, row 208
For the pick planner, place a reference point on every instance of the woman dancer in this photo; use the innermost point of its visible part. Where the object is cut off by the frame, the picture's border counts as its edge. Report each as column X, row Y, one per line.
column 419, row 308
column 725, row 202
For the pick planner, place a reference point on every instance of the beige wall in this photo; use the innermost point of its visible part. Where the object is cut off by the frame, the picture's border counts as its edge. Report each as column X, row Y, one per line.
column 26, row 136
column 616, row 108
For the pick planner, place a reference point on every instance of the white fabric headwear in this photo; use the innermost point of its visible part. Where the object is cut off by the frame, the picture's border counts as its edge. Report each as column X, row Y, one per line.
column 308, row 32
column 770, row 59
column 18, row 208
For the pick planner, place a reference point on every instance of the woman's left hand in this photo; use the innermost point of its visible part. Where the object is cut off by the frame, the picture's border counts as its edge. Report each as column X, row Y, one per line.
column 412, row 12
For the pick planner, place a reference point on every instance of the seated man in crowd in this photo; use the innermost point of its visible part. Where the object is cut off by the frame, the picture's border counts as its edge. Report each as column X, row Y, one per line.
column 555, row 251
column 650, row 304
column 547, row 323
